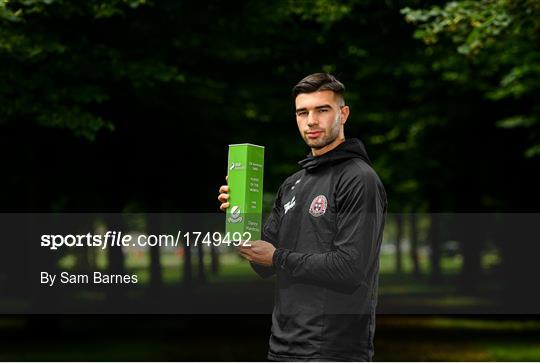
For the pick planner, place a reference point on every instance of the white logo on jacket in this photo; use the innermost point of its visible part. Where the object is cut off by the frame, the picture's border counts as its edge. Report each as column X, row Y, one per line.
column 318, row 206
column 296, row 182
column 289, row 204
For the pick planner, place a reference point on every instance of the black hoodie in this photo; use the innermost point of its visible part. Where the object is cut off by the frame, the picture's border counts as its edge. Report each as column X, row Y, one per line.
column 327, row 224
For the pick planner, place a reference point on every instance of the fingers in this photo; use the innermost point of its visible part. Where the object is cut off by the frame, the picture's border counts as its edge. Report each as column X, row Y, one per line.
column 223, row 197
column 244, row 247
column 245, row 254
column 224, row 189
column 245, row 251
column 224, row 206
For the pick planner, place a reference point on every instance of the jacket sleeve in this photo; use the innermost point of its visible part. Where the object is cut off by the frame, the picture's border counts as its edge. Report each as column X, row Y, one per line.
column 270, row 234
column 361, row 209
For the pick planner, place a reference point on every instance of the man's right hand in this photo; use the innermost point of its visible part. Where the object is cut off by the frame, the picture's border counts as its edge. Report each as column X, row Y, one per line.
column 224, row 196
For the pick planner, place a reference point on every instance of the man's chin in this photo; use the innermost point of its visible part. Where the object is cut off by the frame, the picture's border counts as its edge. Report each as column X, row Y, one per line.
column 317, row 144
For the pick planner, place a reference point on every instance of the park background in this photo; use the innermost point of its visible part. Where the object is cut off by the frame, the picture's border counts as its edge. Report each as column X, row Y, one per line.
column 128, row 106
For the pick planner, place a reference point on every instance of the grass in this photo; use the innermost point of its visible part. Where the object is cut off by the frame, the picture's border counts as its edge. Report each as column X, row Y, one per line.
column 456, row 339
column 516, row 350
column 398, row 338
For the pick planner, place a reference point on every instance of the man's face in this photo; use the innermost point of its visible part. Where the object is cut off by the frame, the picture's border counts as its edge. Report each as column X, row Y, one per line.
column 320, row 118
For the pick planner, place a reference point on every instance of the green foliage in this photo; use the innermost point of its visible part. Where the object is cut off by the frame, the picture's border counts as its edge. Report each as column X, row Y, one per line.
column 326, row 12
column 101, row 65
column 60, row 76
column 500, row 39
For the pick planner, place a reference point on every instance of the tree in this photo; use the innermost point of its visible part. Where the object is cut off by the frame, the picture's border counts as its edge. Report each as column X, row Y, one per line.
column 493, row 48
column 500, row 38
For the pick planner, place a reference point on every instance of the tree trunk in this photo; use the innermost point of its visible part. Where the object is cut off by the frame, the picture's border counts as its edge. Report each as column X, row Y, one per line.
column 187, row 275
column 214, row 253
column 414, row 245
column 200, row 265
column 472, row 237
column 399, row 237
column 435, row 244
column 154, row 228
column 116, row 297
column 115, row 223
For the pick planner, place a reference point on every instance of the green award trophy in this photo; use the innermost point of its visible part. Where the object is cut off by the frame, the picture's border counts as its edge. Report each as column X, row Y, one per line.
column 245, row 180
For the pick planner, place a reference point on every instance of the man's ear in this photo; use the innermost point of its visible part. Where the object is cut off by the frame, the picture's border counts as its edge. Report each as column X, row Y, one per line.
column 344, row 114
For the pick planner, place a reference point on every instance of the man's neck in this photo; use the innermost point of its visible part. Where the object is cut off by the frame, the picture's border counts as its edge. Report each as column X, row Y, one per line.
column 327, row 148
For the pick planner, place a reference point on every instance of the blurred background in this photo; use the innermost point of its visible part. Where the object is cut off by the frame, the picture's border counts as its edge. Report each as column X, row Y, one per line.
column 128, row 106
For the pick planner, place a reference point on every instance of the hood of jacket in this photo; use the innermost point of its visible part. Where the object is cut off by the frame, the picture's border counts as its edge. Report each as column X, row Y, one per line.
column 350, row 148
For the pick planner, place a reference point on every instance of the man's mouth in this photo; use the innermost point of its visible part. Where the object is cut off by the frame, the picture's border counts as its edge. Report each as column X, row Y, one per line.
column 313, row 134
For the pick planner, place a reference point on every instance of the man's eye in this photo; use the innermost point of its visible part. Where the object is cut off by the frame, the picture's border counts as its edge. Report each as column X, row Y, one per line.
column 303, row 113
column 323, row 110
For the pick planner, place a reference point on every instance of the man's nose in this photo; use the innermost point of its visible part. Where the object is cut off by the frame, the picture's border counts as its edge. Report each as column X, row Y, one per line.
column 312, row 119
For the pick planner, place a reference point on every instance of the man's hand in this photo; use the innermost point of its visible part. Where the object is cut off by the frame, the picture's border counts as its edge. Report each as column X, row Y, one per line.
column 224, row 196
column 260, row 252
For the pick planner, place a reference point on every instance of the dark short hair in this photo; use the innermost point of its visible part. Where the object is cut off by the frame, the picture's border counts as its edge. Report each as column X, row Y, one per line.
column 318, row 82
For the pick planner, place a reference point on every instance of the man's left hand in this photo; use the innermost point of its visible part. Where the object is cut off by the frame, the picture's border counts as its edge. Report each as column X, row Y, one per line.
column 260, row 252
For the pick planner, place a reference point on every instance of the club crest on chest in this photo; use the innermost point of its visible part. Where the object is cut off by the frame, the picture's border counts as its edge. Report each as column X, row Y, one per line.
column 318, row 206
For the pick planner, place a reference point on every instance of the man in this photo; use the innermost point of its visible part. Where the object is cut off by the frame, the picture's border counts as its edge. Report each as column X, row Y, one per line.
column 322, row 238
